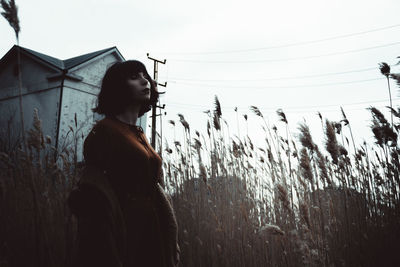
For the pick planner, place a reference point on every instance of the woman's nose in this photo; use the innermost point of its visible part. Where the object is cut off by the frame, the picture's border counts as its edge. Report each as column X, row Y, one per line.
column 144, row 82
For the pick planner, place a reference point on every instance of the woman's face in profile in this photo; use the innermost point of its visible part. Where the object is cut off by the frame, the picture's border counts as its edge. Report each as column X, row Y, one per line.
column 139, row 87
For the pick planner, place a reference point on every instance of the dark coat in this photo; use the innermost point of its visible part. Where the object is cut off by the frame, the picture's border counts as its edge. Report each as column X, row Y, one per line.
column 124, row 216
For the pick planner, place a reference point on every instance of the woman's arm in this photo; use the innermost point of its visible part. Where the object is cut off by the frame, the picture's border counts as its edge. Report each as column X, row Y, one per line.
column 96, row 240
column 96, row 244
column 169, row 222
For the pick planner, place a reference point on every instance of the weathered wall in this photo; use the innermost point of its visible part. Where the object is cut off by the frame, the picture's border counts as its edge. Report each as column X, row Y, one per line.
column 34, row 77
column 37, row 92
column 78, row 97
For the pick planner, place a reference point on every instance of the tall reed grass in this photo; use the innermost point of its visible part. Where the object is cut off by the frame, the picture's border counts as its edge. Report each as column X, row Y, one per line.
column 290, row 202
column 287, row 203
column 37, row 228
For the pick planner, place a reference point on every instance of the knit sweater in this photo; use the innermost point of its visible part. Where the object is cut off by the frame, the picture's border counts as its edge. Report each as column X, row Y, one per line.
column 124, row 216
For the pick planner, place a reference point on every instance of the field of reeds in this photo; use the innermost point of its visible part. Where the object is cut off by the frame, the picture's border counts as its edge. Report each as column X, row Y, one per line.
column 288, row 203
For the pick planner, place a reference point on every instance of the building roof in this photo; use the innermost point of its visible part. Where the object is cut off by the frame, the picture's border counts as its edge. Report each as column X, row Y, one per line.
column 51, row 60
column 55, row 62
column 75, row 61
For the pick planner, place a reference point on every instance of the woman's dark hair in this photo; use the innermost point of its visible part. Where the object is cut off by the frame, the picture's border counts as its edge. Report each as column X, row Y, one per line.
column 114, row 97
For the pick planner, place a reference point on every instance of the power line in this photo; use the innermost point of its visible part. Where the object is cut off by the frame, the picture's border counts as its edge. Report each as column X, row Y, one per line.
column 277, row 87
column 287, row 59
column 285, row 45
column 280, row 78
column 184, row 105
column 289, row 111
column 293, row 111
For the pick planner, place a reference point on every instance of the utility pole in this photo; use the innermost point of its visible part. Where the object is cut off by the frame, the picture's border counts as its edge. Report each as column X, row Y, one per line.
column 154, row 111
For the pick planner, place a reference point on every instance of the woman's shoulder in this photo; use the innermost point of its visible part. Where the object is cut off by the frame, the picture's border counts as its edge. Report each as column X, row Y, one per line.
column 100, row 138
column 104, row 128
column 111, row 132
column 104, row 125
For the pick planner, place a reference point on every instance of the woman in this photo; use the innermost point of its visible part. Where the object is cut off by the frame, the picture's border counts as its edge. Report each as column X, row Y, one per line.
column 124, row 216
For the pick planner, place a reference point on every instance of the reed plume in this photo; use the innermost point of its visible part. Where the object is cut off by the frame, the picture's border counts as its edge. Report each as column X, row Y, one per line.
column 305, row 137
column 282, row 116
column 272, row 229
column 10, row 13
column 184, row 122
column 331, row 142
column 385, row 70
column 305, row 165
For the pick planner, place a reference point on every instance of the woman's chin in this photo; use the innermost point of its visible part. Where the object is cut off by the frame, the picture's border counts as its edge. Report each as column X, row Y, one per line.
column 142, row 99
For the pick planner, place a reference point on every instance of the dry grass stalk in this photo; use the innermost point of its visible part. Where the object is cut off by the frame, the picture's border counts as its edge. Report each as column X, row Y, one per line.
column 240, row 201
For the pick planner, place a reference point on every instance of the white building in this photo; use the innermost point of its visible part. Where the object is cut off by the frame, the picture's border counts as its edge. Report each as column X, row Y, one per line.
column 59, row 89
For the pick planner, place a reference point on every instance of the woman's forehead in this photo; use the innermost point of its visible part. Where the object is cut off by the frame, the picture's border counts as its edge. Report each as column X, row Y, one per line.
column 138, row 71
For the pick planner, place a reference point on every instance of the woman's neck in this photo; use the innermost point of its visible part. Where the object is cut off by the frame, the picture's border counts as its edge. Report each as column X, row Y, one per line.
column 130, row 115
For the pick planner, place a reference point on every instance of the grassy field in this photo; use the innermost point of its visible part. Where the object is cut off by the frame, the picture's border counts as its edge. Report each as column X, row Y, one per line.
column 288, row 203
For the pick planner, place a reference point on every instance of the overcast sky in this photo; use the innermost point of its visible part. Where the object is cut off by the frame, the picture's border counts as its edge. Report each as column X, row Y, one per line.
column 301, row 56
